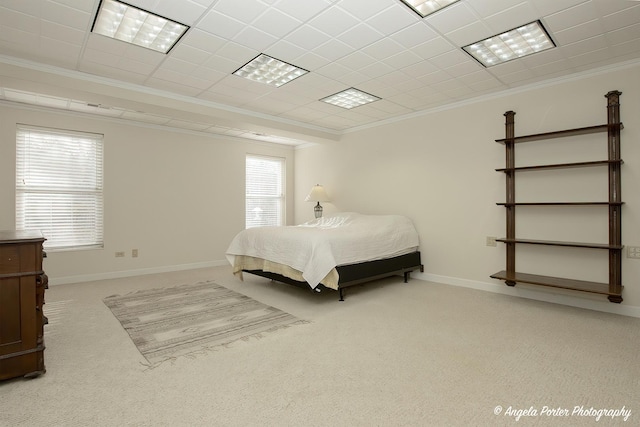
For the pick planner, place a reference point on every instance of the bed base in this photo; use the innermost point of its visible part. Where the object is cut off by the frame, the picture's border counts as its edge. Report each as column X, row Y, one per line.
column 356, row 274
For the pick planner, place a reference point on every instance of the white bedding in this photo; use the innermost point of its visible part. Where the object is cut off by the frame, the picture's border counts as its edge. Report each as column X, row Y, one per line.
column 318, row 246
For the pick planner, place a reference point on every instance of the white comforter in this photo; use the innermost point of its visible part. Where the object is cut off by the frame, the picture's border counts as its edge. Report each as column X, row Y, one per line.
column 316, row 247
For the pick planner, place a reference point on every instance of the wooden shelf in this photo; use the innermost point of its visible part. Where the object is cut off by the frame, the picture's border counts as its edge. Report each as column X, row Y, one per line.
column 560, row 204
column 563, row 165
column 561, row 133
column 561, row 243
column 613, row 162
column 556, row 282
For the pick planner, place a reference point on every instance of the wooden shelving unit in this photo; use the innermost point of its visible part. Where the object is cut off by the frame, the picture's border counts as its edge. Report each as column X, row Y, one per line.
column 613, row 289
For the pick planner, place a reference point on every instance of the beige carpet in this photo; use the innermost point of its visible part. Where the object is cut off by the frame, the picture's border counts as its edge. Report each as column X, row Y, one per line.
column 193, row 318
column 392, row 354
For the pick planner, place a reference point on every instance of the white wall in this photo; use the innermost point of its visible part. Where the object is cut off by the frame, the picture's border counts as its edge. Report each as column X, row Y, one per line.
column 177, row 197
column 439, row 169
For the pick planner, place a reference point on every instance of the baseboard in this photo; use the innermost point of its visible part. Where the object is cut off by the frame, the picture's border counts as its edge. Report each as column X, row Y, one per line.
column 604, row 306
column 131, row 273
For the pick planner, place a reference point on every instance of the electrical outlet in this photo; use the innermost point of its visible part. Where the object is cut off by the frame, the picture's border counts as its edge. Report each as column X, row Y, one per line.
column 491, row 241
column 633, row 252
column 119, row 254
column 134, row 253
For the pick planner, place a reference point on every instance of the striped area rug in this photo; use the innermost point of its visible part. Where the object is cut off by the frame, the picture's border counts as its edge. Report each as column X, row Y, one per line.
column 188, row 319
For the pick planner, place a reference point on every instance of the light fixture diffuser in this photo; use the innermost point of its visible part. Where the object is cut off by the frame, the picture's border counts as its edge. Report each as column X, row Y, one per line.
column 136, row 26
column 427, row 7
column 268, row 70
column 350, row 98
column 522, row 41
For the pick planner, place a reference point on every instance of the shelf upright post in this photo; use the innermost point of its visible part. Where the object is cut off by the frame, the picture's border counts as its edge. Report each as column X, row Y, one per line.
column 615, row 226
column 510, row 196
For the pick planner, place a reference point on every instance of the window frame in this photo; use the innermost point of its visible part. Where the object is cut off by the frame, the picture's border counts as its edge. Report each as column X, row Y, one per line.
column 68, row 208
column 279, row 218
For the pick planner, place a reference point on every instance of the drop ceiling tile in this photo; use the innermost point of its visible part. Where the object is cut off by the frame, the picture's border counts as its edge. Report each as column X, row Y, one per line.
column 186, row 12
column 518, row 76
column 552, row 68
column 364, row 9
column 452, row 17
column 287, row 52
column 220, row 25
column 208, row 74
column 579, row 32
column 376, row 70
column 222, row 65
column 244, row 11
column 276, row 23
column 484, row 8
column 632, row 32
column 105, row 44
column 548, row 7
column 254, row 38
column 307, row 37
column 463, row 68
column 607, row 7
column 302, row 10
column 420, row 69
column 584, row 46
column 449, row 59
column 571, row 17
column 393, row 19
column 56, row 31
column 433, row 48
column 186, row 53
column 65, row 15
column 414, row 35
column 594, row 56
column 61, row 53
column 383, row 49
column 334, row 21
column 469, row 34
column 513, row 17
column 237, row 52
column 434, row 78
column 360, row 36
column 26, row 7
column 199, row 39
column 333, row 50
column 628, row 48
column 18, row 20
column 356, row 60
column 403, row 59
column 177, row 65
column 622, row 19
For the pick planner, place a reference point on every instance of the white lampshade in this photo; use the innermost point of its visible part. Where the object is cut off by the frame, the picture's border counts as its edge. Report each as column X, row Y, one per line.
column 317, row 194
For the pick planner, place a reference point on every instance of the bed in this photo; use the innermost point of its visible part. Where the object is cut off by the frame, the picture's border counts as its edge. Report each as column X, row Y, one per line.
column 333, row 252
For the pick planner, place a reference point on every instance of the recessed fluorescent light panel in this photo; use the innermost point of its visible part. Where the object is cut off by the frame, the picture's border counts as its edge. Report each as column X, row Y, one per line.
column 136, row 26
column 350, row 98
column 268, row 70
column 427, row 7
column 522, row 41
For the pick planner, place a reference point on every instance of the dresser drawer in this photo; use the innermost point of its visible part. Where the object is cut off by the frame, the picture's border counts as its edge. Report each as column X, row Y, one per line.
column 9, row 259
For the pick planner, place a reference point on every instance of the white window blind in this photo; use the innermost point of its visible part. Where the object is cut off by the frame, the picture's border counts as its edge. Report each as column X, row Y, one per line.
column 59, row 186
column 265, row 197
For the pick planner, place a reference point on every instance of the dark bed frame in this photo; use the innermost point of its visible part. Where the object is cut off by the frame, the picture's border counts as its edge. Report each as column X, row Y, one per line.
column 356, row 274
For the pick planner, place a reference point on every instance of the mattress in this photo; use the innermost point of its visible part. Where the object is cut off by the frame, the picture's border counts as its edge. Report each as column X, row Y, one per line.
column 311, row 251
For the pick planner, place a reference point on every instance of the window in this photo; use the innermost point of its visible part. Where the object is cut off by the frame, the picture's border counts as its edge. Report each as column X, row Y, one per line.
column 264, row 191
column 59, row 186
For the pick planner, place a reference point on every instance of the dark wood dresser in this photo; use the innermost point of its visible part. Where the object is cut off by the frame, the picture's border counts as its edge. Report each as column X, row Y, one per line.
column 22, row 285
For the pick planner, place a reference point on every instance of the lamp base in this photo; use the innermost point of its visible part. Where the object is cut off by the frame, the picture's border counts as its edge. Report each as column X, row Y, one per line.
column 317, row 210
